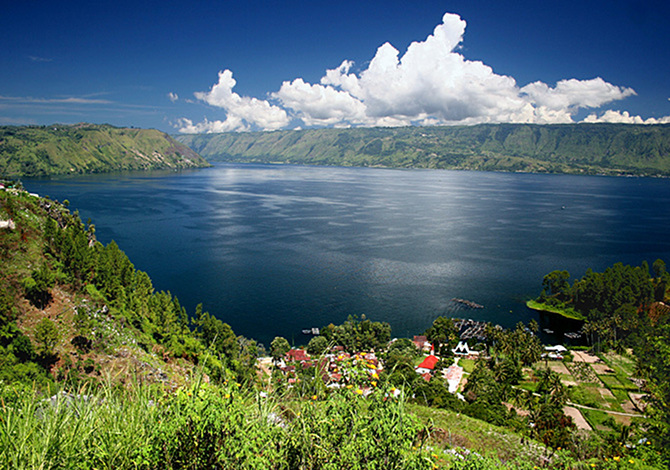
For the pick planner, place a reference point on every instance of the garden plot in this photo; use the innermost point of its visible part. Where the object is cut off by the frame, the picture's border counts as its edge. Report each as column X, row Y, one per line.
column 563, row 372
column 583, row 372
column 602, row 369
column 583, row 356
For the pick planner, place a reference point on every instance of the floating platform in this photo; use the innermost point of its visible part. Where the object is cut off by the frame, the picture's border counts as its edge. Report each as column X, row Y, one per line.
column 467, row 303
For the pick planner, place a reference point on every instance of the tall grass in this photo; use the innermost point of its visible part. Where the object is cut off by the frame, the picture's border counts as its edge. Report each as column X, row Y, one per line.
column 207, row 427
column 103, row 429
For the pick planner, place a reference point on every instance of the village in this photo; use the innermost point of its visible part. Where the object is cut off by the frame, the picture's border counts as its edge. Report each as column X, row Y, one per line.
column 603, row 387
column 332, row 364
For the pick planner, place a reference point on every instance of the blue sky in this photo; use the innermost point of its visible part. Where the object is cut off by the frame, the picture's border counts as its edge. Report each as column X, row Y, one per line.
column 204, row 66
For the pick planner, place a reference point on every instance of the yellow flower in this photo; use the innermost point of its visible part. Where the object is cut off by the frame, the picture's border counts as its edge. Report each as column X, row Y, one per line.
column 314, row 397
column 349, row 386
column 359, row 391
column 227, row 395
column 593, row 465
column 631, row 461
column 616, row 458
column 375, row 375
column 374, row 384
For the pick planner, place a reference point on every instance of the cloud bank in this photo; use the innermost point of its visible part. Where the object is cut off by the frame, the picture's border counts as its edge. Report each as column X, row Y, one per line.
column 430, row 84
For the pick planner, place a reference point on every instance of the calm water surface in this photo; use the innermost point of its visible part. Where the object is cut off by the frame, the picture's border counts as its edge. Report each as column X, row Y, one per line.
column 274, row 249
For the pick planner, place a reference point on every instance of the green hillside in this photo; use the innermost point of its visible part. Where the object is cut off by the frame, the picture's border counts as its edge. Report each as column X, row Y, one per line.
column 89, row 148
column 614, row 149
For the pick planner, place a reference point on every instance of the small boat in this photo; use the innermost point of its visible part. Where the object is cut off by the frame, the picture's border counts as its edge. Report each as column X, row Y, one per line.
column 311, row 331
column 548, row 331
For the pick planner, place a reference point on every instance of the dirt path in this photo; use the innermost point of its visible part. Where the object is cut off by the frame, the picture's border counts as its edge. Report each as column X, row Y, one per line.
column 618, row 413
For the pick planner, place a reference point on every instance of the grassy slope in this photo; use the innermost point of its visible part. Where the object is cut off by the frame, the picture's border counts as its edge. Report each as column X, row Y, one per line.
column 579, row 148
column 451, row 429
column 88, row 148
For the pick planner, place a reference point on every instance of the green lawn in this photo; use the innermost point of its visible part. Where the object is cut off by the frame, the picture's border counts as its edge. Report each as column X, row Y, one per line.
column 598, row 419
column 468, row 365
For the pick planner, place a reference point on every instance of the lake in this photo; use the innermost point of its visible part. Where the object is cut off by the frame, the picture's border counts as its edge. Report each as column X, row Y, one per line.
column 273, row 249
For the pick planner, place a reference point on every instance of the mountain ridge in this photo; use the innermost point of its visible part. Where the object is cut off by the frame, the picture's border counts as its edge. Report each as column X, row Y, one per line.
column 89, row 148
column 612, row 149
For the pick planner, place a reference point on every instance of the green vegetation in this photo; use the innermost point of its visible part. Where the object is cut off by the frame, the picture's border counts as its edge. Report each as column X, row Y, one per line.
column 614, row 149
column 355, row 335
column 625, row 310
column 87, row 310
column 88, row 148
column 621, row 305
column 202, row 426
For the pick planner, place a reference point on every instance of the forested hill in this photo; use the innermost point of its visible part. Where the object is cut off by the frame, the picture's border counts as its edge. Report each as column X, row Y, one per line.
column 615, row 149
column 89, row 148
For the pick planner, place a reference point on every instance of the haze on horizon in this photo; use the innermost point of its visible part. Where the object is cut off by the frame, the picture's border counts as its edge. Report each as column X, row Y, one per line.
column 215, row 67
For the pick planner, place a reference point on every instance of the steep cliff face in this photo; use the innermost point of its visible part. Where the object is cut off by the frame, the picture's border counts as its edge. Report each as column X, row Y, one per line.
column 89, row 148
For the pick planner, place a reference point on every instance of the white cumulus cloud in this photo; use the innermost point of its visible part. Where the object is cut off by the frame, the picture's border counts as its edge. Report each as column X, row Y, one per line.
column 624, row 118
column 242, row 112
column 572, row 94
column 431, row 83
column 172, row 96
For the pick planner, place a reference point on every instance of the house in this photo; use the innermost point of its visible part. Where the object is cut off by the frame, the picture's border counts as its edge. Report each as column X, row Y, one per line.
column 462, row 349
column 422, row 343
column 453, row 374
column 8, row 224
column 427, row 365
column 297, row 355
column 555, row 352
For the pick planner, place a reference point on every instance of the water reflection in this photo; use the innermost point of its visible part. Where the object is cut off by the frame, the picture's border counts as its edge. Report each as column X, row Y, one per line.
column 273, row 249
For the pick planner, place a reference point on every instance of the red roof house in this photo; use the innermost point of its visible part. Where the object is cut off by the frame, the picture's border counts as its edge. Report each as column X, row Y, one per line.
column 427, row 365
column 298, row 355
